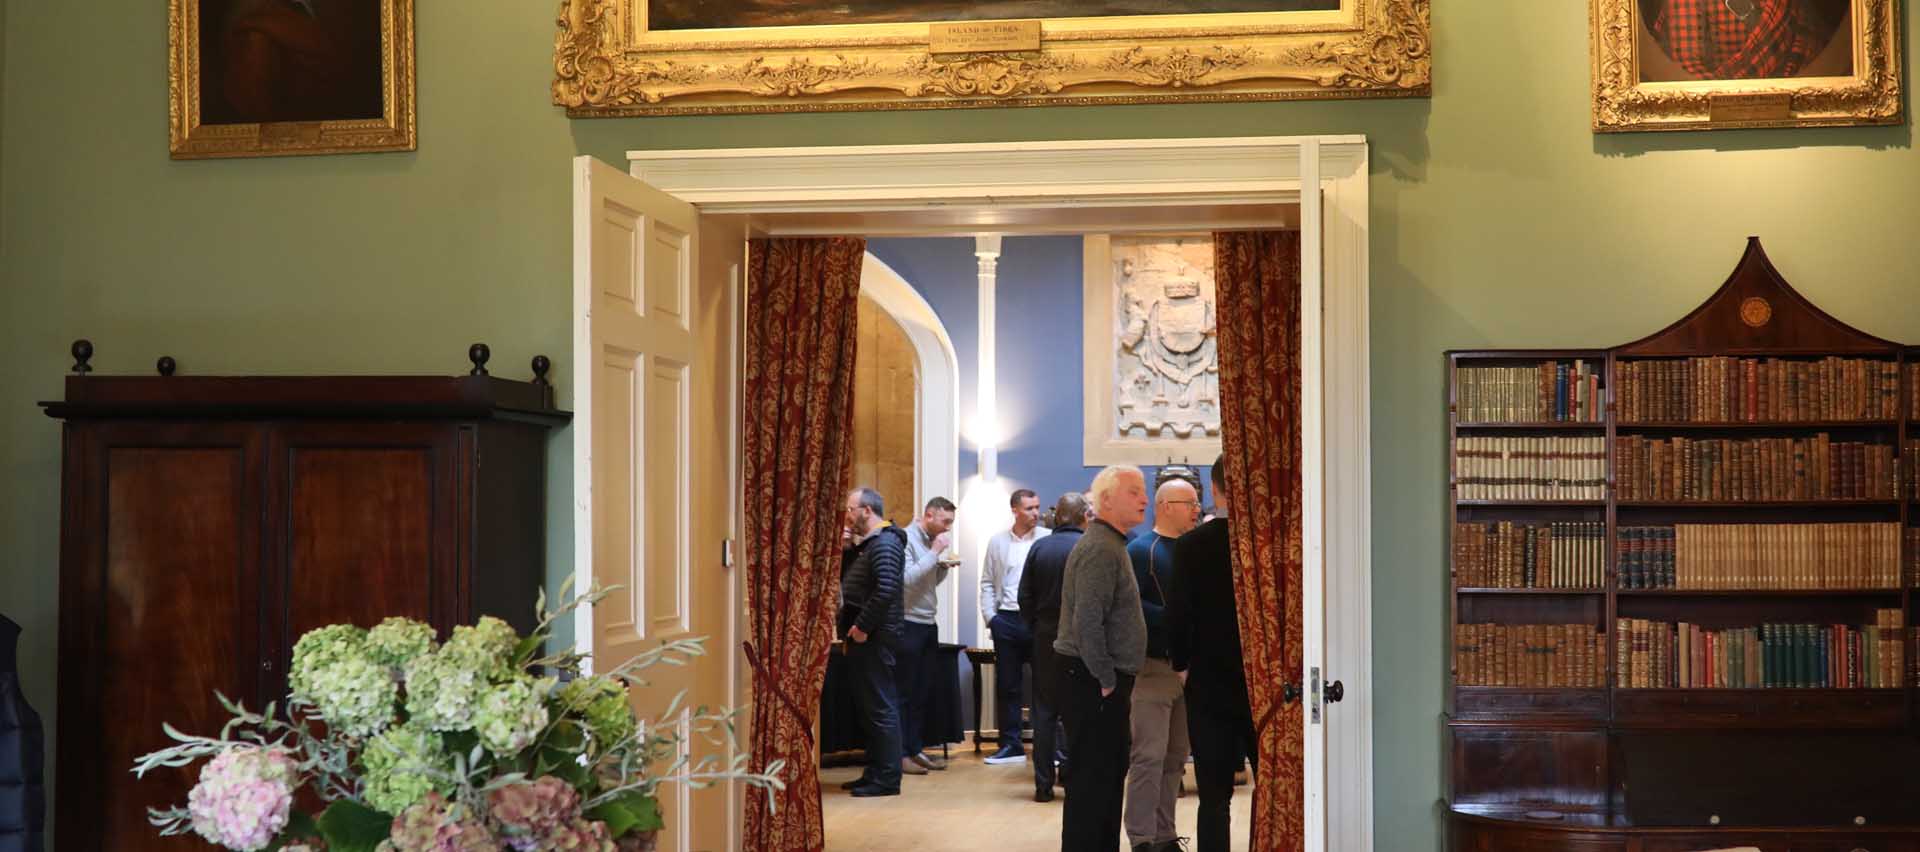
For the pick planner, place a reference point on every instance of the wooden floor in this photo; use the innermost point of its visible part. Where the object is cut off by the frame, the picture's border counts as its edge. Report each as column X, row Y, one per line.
column 971, row 806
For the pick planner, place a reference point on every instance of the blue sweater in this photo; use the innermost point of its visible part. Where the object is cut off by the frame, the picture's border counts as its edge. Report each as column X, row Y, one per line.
column 1152, row 557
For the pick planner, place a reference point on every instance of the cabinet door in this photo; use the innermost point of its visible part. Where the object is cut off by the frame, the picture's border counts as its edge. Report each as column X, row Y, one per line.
column 366, row 520
column 159, row 601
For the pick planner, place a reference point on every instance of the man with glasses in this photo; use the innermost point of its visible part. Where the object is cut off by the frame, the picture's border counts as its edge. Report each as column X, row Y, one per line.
column 1158, row 758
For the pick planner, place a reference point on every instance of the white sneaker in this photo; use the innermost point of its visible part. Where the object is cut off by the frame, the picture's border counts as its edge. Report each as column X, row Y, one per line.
column 1005, row 756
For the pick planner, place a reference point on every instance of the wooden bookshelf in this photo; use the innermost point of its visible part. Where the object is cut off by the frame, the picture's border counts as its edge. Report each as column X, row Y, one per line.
column 1755, row 393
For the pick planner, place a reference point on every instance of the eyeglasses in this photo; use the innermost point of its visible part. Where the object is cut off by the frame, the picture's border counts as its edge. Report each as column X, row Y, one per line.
column 1183, row 503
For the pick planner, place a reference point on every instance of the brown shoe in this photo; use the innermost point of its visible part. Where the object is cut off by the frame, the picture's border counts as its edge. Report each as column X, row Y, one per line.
column 908, row 767
column 927, row 761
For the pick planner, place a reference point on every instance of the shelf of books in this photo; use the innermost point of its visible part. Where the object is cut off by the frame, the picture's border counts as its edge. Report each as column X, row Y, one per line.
column 1661, row 535
column 1661, row 548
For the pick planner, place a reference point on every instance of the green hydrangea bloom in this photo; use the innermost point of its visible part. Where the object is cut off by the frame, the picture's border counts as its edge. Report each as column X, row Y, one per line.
column 487, row 645
column 399, row 767
column 396, row 641
column 354, row 695
column 600, row 703
column 321, row 648
column 444, row 688
column 512, row 714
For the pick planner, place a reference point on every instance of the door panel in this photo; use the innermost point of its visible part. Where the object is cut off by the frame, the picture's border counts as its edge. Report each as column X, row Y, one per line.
column 169, row 540
column 362, row 510
column 653, row 289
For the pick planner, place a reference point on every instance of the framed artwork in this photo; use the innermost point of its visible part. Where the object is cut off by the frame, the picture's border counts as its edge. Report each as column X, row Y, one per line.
column 1152, row 362
column 1704, row 64
column 257, row 78
column 662, row 57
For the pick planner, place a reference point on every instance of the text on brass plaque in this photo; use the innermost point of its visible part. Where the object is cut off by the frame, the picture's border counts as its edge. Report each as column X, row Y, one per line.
column 984, row 37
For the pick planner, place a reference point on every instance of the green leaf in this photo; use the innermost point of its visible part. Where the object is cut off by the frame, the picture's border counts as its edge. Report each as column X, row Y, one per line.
column 299, row 827
column 629, row 811
column 525, row 651
column 460, row 742
column 562, row 765
column 566, row 735
column 353, row 827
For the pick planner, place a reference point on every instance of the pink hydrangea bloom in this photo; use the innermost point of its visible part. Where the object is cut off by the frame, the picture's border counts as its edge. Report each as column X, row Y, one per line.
column 531, row 814
column 243, row 797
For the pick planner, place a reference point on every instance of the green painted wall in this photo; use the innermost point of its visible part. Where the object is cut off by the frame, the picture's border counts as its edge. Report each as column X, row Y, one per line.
column 1498, row 220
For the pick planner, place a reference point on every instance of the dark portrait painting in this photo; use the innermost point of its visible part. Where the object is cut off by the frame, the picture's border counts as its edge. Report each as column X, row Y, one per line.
column 289, row 60
column 724, row 14
column 1745, row 39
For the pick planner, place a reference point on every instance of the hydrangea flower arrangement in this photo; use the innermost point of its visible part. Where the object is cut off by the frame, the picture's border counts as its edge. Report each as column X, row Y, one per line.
column 477, row 744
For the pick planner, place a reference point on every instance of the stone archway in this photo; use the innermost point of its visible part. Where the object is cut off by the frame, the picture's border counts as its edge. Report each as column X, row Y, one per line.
column 935, row 450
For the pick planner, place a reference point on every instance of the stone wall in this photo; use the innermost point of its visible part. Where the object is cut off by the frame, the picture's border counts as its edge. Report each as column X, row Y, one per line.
column 886, row 382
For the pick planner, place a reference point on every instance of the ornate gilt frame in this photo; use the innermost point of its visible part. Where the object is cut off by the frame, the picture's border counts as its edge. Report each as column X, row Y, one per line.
column 1871, row 95
column 189, row 139
column 607, row 64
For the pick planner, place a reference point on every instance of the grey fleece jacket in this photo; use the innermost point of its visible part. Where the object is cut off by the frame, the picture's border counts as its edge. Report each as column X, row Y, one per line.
column 1100, row 618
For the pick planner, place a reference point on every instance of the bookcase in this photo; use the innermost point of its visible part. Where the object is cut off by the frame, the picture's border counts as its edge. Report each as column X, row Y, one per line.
column 1683, row 579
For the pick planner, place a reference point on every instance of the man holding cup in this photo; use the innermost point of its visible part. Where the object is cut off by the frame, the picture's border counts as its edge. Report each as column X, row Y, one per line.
column 929, row 557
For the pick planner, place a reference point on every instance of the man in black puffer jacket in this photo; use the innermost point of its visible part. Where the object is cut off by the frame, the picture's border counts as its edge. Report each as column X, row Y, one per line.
column 872, row 611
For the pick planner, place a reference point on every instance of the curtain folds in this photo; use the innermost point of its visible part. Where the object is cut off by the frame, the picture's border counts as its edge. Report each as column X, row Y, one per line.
column 797, row 415
column 1257, row 281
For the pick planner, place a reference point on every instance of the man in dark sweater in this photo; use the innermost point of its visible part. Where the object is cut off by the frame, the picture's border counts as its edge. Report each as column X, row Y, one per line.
column 871, row 615
column 1102, row 644
column 1203, row 644
column 1040, row 606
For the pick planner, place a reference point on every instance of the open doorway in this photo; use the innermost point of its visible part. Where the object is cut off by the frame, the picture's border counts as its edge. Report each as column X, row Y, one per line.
column 1040, row 290
column 633, row 452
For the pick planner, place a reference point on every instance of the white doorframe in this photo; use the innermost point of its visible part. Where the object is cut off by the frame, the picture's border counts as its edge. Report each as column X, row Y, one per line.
column 781, row 188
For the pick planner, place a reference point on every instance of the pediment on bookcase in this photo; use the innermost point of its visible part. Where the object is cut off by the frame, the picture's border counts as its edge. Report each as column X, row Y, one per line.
column 1756, row 311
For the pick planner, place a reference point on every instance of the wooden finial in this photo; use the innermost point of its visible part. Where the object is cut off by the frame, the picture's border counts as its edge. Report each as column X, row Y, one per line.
column 82, row 352
column 540, row 367
column 165, row 365
column 478, row 354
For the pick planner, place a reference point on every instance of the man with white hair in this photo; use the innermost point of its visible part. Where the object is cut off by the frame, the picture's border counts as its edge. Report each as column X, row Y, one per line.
column 1102, row 645
column 1159, row 752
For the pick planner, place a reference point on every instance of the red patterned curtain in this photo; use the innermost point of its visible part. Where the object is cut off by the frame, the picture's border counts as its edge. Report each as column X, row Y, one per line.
column 1257, row 281
column 801, row 313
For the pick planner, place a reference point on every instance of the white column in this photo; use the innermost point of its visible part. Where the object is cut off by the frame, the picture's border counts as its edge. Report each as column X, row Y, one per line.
column 986, row 407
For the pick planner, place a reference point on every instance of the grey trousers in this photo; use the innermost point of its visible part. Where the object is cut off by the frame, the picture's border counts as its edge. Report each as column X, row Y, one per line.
column 1158, row 758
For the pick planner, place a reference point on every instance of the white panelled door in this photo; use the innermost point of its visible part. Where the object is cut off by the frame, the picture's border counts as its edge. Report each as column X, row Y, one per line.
column 654, row 301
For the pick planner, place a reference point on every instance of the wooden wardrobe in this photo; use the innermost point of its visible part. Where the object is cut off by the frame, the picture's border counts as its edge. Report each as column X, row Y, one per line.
column 207, row 522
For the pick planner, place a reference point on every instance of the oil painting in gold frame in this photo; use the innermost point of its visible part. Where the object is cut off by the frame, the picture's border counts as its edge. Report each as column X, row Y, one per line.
column 667, row 57
column 261, row 78
column 1713, row 64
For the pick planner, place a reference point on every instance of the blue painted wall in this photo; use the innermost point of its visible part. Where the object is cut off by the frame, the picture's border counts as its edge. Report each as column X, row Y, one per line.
column 1037, row 320
column 1040, row 350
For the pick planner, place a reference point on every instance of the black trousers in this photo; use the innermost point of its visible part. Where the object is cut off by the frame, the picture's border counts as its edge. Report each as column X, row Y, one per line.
column 1220, row 726
column 913, row 670
column 1012, row 648
column 1099, row 736
column 872, row 662
column 1049, row 736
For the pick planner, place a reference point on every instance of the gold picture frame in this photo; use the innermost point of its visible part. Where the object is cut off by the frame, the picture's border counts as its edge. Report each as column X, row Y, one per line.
column 609, row 62
column 227, row 97
column 1759, row 63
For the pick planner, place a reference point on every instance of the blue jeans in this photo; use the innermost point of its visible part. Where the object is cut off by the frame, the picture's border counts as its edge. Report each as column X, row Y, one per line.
column 913, row 680
column 1012, row 650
